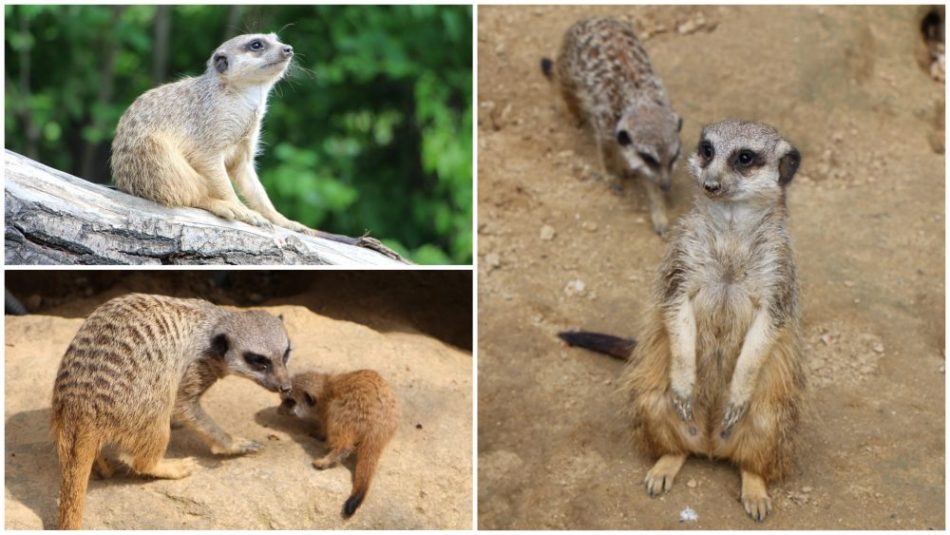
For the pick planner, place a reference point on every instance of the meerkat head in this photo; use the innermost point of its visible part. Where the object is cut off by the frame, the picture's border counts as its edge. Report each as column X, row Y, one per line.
column 250, row 60
column 648, row 139
column 740, row 160
column 254, row 345
column 301, row 400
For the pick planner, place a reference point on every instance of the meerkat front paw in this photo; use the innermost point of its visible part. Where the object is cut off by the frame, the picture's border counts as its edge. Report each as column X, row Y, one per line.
column 733, row 413
column 238, row 446
column 683, row 403
column 660, row 224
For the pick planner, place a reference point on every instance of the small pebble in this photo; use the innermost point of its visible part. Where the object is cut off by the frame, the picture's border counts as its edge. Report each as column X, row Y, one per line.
column 806, row 490
column 493, row 260
column 691, row 483
column 547, row 233
column 418, row 426
column 878, row 348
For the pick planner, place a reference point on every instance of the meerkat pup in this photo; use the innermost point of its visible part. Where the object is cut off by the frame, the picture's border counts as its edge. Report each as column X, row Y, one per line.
column 354, row 412
column 185, row 143
column 606, row 80
column 139, row 362
column 718, row 371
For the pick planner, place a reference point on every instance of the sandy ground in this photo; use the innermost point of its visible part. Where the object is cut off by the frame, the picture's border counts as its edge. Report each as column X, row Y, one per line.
column 423, row 481
column 560, row 247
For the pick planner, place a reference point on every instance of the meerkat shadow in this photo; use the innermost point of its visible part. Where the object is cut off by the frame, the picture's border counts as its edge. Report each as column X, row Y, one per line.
column 32, row 467
column 302, row 432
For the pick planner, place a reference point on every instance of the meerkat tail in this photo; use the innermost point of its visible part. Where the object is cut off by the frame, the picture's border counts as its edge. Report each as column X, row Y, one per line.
column 547, row 67
column 77, row 453
column 619, row 348
column 367, row 455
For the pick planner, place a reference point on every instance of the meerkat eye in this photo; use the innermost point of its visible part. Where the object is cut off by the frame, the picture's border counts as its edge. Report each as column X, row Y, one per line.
column 706, row 150
column 256, row 44
column 745, row 157
column 256, row 361
column 623, row 138
column 287, row 355
column 650, row 160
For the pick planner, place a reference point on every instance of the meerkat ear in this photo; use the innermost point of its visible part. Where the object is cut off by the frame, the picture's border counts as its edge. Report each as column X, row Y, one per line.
column 788, row 166
column 623, row 138
column 219, row 346
column 220, row 63
column 280, row 317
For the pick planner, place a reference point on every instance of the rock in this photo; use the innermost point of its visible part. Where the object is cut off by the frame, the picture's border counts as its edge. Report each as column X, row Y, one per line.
column 575, row 287
column 493, row 261
column 691, row 483
column 878, row 347
column 547, row 233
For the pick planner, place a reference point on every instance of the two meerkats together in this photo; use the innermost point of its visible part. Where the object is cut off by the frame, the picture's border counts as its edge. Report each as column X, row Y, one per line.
column 718, row 369
column 192, row 142
column 142, row 362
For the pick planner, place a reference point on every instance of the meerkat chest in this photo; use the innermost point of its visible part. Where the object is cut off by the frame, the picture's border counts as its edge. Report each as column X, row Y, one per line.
column 728, row 280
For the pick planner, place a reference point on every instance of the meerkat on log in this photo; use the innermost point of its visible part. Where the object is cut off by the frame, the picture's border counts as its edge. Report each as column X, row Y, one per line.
column 140, row 362
column 606, row 81
column 190, row 143
column 718, row 369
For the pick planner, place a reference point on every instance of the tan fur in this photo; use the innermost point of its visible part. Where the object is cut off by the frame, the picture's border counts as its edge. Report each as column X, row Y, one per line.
column 137, row 363
column 354, row 412
column 184, row 143
column 606, row 80
column 730, row 260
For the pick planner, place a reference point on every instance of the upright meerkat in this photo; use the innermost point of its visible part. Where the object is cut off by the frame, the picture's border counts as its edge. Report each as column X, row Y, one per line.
column 137, row 363
column 606, row 80
column 355, row 411
column 718, row 370
column 184, row 143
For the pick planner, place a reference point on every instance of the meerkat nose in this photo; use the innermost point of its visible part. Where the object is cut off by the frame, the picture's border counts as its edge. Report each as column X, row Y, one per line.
column 712, row 187
column 288, row 50
column 285, row 389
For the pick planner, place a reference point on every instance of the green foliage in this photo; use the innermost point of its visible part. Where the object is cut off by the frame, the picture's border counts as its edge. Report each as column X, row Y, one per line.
column 370, row 131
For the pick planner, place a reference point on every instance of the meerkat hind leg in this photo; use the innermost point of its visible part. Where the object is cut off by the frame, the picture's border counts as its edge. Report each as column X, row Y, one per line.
column 146, row 456
column 660, row 478
column 755, row 496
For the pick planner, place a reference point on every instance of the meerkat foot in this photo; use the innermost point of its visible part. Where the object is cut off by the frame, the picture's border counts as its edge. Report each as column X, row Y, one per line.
column 732, row 415
column 325, row 462
column 755, row 496
column 660, row 478
column 661, row 224
column 103, row 467
column 172, row 468
column 238, row 446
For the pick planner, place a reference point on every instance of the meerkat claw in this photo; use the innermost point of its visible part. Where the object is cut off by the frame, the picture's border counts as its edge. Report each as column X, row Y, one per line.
column 684, row 407
column 731, row 417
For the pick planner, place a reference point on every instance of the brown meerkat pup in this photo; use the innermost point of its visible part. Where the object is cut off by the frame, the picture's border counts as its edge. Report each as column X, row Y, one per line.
column 606, row 81
column 718, row 371
column 184, row 143
column 137, row 363
column 354, row 412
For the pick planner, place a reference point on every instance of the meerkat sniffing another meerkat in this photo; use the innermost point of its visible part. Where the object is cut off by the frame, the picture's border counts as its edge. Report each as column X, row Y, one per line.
column 606, row 80
column 354, row 412
column 718, row 370
column 185, row 143
column 139, row 362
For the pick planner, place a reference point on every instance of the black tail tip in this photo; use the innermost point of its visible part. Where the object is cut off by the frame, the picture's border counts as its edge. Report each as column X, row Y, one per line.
column 546, row 66
column 352, row 504
column 614, row 346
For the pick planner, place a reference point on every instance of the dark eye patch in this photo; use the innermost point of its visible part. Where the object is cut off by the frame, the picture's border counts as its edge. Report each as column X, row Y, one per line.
column 309, row 399
column 706, row 150
column 287, row 355
column 623, row 138
column 256, row 44
column 746, row 159
column 257, row 361
column 650, row 160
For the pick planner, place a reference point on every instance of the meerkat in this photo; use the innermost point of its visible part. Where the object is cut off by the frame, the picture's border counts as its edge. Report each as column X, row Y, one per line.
column 184, row 143
column 718, row 371
column 354, row 412
column 140, row 362
column 606, row 81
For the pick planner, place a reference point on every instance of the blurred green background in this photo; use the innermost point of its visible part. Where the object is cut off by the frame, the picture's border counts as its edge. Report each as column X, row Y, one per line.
column 370, row 131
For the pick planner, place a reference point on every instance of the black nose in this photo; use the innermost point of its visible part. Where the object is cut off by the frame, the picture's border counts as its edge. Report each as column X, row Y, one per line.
column 712, row 188
column 288, row 50
column 285, row 389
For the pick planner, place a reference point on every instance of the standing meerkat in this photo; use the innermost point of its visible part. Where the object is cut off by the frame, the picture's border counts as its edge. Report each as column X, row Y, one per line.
column 137, row 363
column 718, row 371
column 354, row 412
column 184, row 143
column 606, row 80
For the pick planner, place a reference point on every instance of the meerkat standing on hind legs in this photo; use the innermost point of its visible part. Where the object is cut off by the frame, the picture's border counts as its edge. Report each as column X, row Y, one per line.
column 141, row 361
column 185, row 143
column 606, row 80
column 718, row 370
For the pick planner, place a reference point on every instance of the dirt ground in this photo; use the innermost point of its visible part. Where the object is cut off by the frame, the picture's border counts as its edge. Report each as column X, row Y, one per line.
column 424, row 479
column 561, row 247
